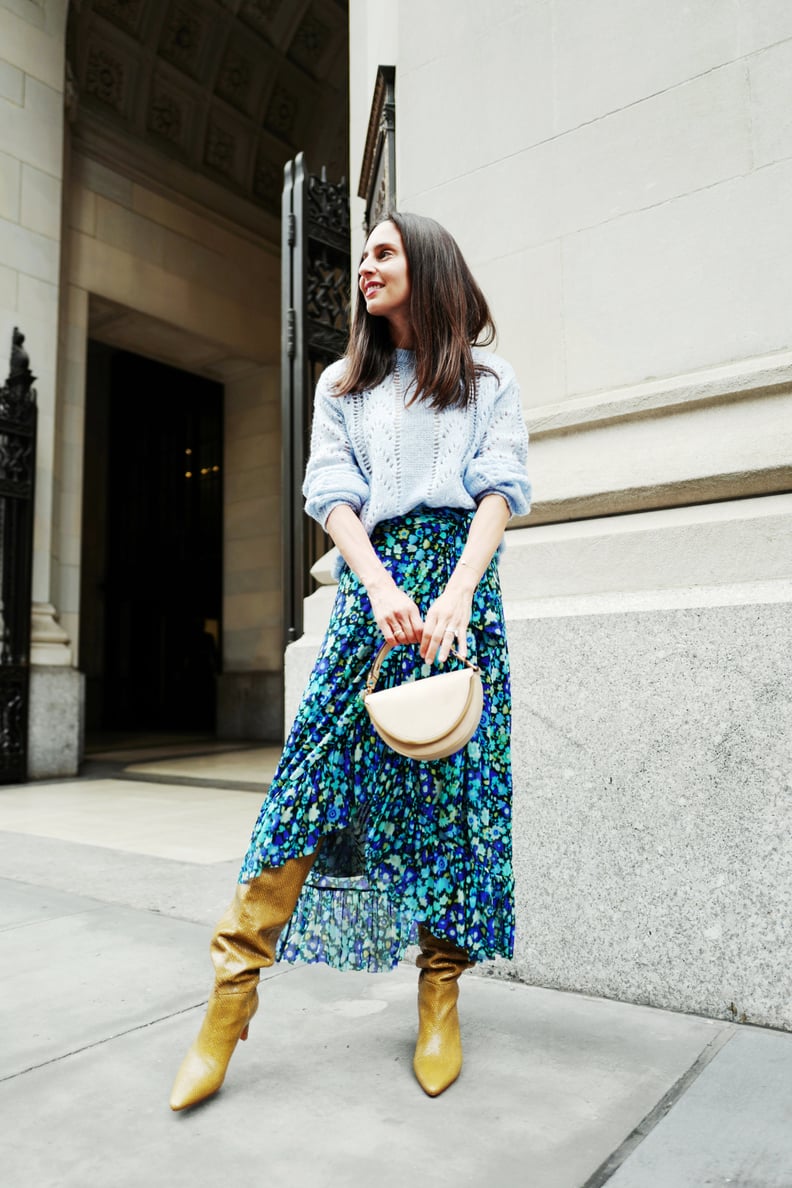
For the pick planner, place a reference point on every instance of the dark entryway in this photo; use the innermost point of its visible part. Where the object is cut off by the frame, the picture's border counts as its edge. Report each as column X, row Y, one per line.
column 151, row 594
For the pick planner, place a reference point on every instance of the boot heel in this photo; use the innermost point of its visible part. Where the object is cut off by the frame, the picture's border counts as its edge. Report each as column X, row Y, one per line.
column 245, row 1031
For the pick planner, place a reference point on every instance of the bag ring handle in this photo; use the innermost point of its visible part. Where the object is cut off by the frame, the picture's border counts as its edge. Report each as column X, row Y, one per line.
column 374, row 672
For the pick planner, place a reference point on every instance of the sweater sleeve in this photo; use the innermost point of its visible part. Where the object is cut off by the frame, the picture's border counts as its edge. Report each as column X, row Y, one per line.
column 332, row 475
column 499, row 464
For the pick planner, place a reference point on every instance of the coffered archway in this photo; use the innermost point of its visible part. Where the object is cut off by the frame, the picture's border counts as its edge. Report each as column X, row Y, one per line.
column 211, row 97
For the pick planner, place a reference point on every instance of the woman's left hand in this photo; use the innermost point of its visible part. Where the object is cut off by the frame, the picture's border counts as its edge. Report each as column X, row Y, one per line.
column 446, row 622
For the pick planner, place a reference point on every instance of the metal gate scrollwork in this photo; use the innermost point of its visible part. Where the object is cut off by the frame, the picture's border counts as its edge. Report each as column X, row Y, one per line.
column 18, row 416
column 315, row 311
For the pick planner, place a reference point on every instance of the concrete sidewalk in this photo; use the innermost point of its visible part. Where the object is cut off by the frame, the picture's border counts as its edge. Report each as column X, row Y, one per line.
column 104, row 972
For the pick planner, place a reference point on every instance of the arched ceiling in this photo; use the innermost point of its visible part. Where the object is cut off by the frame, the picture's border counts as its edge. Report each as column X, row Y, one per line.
column 213, row 96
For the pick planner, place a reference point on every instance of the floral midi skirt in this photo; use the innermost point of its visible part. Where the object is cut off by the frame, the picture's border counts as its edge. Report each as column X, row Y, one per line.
column 401, row 842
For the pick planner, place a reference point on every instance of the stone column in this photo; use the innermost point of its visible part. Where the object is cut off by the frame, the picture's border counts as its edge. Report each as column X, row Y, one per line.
column 250, row 691
column 32, row 62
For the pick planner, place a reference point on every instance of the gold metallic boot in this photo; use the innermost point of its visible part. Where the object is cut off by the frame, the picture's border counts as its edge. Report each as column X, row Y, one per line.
column 438, row 1051
column 244, row 942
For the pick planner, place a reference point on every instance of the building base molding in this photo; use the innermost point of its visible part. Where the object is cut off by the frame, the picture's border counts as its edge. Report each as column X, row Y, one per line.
column 250, row 706
column 652, row 809
column 49, row 644
column 56, row 723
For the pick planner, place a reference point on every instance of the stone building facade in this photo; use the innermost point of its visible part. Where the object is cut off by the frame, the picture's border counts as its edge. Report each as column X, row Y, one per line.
column 141, row 164
column 619, row 176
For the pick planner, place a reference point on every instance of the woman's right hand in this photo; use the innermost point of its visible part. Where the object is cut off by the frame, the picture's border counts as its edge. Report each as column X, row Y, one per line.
column 397, row 616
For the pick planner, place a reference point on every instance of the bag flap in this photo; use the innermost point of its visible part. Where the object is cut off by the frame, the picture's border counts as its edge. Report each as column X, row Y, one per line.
column 425, row 710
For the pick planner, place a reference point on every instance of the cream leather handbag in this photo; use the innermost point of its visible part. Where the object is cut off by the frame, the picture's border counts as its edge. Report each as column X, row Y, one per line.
column 430, row 718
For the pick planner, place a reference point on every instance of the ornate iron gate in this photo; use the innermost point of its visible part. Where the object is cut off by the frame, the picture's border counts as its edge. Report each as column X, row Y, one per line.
column 315, row 304
column 17, row 479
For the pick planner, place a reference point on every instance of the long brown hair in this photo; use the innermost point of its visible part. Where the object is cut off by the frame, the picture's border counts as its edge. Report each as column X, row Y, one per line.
column 449, row 314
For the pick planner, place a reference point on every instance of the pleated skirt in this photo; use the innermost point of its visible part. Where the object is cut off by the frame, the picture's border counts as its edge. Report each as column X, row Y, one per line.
column 400, row 842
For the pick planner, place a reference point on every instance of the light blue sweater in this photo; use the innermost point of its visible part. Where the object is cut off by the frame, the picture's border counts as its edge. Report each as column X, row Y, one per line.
column 384, row 458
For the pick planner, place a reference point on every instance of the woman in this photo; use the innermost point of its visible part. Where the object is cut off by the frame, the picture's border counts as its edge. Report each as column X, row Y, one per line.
column 417, row 462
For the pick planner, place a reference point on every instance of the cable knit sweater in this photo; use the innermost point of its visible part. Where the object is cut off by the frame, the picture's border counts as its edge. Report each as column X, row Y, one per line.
column 384, row 457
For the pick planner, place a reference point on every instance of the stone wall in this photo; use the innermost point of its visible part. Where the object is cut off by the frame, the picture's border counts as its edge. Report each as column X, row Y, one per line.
column 149, row 273
column 618, row 176
column 31, row 186
column 31, row 170
column 653, row 808
column 251, row 687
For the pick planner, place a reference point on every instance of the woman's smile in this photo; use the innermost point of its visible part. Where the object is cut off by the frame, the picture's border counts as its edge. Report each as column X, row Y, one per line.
column 384, row 278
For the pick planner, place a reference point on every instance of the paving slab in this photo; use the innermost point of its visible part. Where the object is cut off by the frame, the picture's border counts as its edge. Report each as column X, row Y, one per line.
column 190, row 824
column 323, row 1092
column 86, row 972
column 732, row 1127
column 141, row 754
column 21, row 904
column 174, row 888
column 253, row 767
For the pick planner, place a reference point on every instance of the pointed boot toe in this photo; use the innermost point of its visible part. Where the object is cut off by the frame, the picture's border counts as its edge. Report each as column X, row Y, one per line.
column 203, row 1069
column 198, row 1078
column 438, row 1063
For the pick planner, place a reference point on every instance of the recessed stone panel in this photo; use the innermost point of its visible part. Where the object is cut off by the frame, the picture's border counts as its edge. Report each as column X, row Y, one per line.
column 282, row 112
column 235, row 79
column 105, row 77
column 183, row 36
column 310, row 43
column 168, row 114
column 226, row 147
column 268, row 177
column 124, row 13
column 260, row 14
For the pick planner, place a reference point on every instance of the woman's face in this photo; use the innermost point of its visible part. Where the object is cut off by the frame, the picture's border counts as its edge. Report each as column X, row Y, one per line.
column 384, row 276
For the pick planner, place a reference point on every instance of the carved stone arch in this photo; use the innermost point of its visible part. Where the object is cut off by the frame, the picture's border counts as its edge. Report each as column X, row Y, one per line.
column 211, row 97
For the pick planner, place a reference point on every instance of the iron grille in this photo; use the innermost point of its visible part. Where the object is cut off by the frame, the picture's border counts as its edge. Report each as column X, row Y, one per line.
column 18, row 415
column 315, row 300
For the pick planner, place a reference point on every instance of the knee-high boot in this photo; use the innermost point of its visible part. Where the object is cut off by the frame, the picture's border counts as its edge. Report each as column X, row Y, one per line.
column 438, row 1051
column 244, row 942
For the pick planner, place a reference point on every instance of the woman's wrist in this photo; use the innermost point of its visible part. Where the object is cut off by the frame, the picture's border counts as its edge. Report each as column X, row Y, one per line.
column 465, row 575
column 376, row 578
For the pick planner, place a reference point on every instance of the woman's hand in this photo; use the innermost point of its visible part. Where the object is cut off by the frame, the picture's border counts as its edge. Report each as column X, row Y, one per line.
column 449, row 615
column 397, row 616
column 447, row 619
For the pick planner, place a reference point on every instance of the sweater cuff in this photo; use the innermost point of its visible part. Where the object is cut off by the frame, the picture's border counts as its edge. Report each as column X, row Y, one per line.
column 332, row 506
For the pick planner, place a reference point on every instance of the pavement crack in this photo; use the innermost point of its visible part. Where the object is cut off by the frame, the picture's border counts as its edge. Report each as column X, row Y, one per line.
column 108, row 1039
column 659, row 1111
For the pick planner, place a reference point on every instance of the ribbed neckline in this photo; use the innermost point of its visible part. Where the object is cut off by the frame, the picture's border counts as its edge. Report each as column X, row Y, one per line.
column 403, row 355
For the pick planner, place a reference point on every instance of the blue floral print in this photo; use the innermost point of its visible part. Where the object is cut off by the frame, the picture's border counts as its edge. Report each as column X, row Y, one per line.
column 400, row 842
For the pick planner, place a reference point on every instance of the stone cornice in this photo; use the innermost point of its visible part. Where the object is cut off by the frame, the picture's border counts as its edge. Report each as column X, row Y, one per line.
column 745, row 379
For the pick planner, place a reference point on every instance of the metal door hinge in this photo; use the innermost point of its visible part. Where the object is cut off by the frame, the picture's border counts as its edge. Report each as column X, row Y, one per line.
column 291, row 332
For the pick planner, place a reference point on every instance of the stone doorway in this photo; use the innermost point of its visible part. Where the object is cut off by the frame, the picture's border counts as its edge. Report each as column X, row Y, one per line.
column 152, row 571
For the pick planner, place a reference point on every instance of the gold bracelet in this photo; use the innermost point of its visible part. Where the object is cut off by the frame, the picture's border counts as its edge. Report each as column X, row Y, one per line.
column 467, row 564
